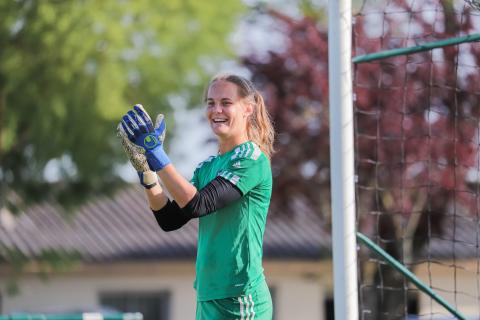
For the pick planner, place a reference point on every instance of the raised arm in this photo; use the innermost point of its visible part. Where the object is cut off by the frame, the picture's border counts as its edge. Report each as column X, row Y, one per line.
column 191, row 202
column 140, row 130
column 181, row 190
column 136, row 154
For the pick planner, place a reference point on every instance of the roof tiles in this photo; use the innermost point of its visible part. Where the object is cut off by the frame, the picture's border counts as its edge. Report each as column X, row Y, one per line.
column 122, row 227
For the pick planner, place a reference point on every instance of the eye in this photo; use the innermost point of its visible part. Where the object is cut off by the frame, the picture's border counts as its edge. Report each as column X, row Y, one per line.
column 210, row 104
column 226, row 103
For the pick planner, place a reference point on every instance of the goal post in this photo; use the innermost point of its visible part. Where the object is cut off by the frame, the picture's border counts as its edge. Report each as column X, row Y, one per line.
column 342, row 159
column 415, row 191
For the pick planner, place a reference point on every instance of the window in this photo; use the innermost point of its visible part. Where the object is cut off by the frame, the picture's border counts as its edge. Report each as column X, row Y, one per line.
column 413, row 305
column 329, row 309
column 153, row 305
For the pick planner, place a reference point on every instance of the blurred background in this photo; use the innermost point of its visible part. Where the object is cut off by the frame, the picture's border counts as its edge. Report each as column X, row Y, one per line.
column 76, row 234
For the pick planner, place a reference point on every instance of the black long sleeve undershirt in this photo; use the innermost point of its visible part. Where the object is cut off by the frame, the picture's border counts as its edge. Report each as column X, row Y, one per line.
column 215, row 195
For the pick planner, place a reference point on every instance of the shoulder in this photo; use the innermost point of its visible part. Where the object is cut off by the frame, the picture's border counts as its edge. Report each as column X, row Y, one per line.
column 248, row 150
column 247, row 167
column 208, row 160
column 248, row 156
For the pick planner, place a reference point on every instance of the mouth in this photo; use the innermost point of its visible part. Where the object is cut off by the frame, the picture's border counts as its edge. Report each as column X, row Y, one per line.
column 219, row 120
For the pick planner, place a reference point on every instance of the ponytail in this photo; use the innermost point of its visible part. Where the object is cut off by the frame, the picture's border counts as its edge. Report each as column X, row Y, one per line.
column 259, row 128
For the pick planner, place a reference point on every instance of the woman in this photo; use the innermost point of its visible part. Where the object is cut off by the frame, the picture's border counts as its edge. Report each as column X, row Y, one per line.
column 229, row 192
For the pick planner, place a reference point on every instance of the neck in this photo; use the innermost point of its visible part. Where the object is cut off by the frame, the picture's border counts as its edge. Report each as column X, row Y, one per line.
column 228, row 144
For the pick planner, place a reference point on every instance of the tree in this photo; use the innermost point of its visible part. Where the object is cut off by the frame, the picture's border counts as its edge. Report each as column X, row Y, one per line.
column 416, row 121
column 70, row 69
column 68, row 72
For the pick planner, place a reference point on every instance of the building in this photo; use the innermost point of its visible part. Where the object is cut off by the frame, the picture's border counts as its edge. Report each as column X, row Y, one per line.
column 123, row 260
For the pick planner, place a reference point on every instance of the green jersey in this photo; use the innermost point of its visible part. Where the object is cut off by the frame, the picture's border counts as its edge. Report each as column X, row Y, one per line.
column 230, row 240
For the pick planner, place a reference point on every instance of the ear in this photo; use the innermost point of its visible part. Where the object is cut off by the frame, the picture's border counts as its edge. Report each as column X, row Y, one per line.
column 248, row 110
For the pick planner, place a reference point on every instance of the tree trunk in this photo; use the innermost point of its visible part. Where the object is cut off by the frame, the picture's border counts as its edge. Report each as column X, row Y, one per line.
column 2, row 123
column 385, row 298
column 388, row 297
column 2, row 113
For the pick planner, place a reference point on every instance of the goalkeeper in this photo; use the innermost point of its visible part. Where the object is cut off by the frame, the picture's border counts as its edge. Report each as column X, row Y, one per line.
column 229, row 193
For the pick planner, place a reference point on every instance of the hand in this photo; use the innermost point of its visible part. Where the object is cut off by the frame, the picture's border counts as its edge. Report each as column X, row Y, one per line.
column 137, row 158
column 139, row 129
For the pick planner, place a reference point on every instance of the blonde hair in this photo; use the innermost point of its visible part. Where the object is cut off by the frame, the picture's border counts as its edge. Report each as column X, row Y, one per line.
column 259, row 127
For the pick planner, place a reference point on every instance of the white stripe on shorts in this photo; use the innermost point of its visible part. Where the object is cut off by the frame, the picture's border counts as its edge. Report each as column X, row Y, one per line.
column 241, row 307
column 247, row 304
column 246, row 307
column 253, row 312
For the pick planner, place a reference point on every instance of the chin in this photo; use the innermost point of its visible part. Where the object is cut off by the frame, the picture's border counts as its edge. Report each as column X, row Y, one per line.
column 219, row 131
column 222, row 134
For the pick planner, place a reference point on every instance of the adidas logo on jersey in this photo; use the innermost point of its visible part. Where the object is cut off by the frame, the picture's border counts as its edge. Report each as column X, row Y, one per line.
column 237, row 165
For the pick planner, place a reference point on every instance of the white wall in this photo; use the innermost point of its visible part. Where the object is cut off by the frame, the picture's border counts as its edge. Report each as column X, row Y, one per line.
column 458, row 283
column 298, row 298
column 82, row 289
column 298, row 288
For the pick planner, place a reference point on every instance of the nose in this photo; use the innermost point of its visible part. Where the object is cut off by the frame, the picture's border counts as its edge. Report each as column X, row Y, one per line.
column 217, row 107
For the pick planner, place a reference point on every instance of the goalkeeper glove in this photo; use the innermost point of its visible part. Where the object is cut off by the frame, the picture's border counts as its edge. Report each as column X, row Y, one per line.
column 139, row 128
column 137, row 158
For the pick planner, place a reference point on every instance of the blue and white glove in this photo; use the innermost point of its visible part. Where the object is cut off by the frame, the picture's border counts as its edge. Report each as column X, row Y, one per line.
column 136, row 155
column 139, row 128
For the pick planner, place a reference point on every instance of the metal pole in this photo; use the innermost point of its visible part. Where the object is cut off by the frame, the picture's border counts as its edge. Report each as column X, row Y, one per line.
column 409, row 275
column 410, row 50
column 342, row 159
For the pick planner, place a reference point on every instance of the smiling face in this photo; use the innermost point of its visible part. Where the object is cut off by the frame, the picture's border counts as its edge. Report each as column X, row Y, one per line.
column 227, row 113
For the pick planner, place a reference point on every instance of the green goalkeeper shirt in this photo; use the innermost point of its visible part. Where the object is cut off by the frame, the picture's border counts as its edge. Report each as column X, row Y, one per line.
column 230, row 240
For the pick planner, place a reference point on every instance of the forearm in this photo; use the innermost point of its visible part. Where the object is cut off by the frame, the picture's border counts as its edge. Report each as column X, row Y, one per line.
column 168, row 214
column 156, row 197
column 181, row 190
column 171, row 217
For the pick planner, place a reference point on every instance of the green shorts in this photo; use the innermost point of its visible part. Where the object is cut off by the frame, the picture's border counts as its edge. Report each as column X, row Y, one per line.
column 253, row 306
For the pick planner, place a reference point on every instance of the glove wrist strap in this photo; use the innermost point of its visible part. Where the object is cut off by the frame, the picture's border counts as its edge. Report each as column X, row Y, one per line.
column 148, row 179
column 157, row 159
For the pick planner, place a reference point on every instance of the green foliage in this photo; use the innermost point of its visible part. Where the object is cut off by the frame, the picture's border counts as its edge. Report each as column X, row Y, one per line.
column 313, row 10
column 70, row 69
